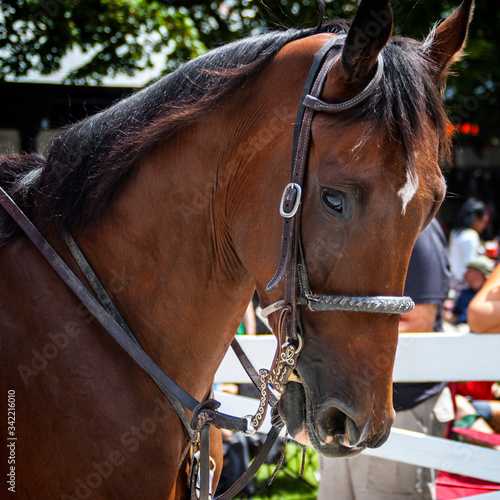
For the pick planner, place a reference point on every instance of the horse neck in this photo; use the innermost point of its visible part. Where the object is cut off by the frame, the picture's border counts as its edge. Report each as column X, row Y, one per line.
column 164, row 253
column 183, row 240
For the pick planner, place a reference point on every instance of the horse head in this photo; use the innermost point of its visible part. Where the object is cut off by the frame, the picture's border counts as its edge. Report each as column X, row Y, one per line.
column 372, row 183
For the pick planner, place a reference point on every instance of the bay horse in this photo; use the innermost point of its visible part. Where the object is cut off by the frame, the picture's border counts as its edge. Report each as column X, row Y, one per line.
column 173, row 196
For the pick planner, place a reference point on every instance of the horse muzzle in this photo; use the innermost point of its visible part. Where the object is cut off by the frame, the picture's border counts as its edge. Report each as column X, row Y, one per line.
column 332, row 429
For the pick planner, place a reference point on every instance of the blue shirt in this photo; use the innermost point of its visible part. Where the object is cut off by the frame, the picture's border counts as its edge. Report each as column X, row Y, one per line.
column 427, row 282
column 462, row 304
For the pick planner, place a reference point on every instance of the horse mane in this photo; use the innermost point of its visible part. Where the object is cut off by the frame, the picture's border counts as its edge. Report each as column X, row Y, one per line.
column 86, row 165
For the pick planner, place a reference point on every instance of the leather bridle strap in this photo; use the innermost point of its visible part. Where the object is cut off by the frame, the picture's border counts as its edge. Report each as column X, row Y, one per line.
column 289, row 340
column 292, row 194
column 290, row 208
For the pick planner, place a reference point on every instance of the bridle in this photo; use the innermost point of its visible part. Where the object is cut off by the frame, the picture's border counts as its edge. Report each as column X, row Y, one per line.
column 291, row 264
column 291, row 267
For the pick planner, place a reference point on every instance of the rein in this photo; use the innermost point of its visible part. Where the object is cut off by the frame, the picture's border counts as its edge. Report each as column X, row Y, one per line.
column 291, row 268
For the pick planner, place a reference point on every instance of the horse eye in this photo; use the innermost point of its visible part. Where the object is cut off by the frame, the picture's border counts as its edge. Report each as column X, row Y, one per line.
column 333, row 200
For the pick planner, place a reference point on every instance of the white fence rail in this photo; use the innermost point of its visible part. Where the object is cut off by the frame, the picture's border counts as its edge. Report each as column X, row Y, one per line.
column 421, row 357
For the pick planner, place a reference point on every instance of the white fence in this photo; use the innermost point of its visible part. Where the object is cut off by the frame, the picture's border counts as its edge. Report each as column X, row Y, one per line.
column 421, row 357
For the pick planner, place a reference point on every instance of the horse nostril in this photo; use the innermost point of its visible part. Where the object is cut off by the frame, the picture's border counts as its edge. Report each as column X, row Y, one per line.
column 335, row 425
column 353, row 435
column 332, row 423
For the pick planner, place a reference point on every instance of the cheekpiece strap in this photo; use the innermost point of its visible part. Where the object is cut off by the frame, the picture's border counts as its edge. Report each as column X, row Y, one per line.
column 290, row 202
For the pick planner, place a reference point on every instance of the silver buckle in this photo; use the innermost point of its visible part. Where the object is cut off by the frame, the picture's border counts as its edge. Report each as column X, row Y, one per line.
column 298, row 189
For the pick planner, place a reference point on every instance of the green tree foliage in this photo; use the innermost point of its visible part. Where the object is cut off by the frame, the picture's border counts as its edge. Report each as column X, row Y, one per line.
column 120, row 36
column 473, row 90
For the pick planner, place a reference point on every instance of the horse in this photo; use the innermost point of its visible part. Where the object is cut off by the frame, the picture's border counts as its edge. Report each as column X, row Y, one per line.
column 174, row 197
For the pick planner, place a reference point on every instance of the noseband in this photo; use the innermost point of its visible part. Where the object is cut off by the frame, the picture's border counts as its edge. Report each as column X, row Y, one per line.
column 291, row 265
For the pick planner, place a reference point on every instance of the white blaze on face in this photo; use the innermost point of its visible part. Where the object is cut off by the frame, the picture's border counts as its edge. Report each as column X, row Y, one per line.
column 407, row 192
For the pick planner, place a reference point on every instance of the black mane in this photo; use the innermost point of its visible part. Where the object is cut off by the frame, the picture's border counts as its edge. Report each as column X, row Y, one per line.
column 86, row 164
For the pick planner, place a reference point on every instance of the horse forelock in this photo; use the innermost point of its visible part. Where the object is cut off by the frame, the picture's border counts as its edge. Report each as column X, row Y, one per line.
column 414, row 110
column 407, row 100
column 87, row 164
column 409, row 107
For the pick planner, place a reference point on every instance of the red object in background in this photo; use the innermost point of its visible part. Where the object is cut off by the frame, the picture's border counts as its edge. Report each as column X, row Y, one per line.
column 464, row 128
column 476, row 390
column 491, row 248
column 451, row 486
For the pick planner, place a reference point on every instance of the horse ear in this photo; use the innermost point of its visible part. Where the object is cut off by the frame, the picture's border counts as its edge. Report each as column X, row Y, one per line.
column 368, row 35
column 444, row 45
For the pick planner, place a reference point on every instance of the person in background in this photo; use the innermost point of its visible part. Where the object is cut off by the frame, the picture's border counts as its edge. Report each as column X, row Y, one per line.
column 483, row 314
column 481, row 415
column 421, row 407
column 478, row 271
column 465, row 239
